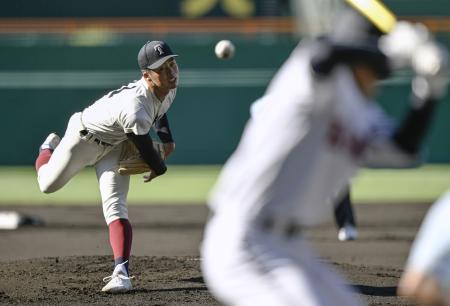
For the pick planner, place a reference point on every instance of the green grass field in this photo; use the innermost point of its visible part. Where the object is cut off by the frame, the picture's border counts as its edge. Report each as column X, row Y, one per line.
column 191, row 184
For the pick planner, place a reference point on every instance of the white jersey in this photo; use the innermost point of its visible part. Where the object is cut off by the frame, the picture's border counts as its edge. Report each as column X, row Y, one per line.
column 130, row 109
column 305, row 140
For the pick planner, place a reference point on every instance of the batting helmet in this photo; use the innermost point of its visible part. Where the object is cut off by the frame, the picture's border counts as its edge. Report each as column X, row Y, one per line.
column 354, row 38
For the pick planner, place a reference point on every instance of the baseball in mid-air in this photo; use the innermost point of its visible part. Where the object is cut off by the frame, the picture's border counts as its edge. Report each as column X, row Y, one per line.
column 224, row 49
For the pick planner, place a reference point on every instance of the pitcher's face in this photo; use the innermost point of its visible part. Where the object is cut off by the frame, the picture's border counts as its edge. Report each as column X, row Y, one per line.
column 165, row 76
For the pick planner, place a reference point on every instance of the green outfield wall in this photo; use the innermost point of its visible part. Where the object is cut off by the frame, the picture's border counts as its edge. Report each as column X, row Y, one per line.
column 43, row 82
column 189, row 8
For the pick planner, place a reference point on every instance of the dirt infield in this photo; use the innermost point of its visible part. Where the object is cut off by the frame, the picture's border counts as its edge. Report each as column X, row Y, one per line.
column 64, row 261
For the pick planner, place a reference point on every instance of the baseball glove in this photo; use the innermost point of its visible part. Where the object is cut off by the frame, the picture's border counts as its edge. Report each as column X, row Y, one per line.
column 131, row 161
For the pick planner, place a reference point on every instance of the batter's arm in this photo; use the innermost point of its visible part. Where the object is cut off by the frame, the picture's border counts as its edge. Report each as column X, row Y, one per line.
column 430, row 62
column 401, row 147
column 144, row 144
column 410, row 134
column 431, row 66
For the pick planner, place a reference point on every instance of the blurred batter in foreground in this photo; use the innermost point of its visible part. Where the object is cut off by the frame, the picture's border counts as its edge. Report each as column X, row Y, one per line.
column 308, row 135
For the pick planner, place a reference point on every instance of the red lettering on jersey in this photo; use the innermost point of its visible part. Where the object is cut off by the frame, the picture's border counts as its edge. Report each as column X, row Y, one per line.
column 340, row 138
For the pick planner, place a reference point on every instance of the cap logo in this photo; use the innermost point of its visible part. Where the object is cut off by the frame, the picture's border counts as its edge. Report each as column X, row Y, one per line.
column 158, row 48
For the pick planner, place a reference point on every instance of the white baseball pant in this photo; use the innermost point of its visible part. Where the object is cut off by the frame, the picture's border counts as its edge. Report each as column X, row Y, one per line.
column 249, row 267
column 75, row 153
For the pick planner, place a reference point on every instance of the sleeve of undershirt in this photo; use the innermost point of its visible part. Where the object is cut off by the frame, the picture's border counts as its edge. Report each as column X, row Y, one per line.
column 162, row 128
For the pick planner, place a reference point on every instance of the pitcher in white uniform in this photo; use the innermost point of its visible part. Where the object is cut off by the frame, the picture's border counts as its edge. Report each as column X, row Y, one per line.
column 95, row 137
column 308, row 135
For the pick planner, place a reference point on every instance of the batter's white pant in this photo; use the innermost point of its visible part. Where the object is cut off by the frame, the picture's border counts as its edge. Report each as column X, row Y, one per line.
column 73, row 154
column 251, row 267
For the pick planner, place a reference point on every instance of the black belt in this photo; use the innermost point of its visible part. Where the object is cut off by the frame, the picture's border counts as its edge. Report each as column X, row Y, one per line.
column 287, row 229
column 90, row 136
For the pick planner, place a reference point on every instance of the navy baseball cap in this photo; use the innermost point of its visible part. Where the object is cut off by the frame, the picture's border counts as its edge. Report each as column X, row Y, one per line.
column 153, row 54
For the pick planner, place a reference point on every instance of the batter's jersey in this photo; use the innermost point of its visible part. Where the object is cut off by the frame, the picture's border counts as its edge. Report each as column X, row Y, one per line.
column 130, row 109
column 306, row 138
